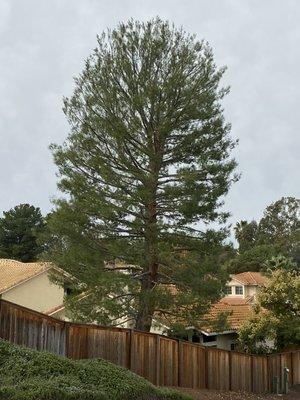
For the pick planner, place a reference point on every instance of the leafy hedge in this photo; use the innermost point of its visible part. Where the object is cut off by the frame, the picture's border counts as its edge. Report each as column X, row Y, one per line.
column 31, row 375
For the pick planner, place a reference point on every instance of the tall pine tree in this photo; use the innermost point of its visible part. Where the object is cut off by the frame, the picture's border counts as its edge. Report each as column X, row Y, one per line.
column 20, row 229
column 145, row 168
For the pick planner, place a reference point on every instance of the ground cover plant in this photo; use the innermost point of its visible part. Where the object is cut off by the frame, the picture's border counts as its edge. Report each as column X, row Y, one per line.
column 27, row 374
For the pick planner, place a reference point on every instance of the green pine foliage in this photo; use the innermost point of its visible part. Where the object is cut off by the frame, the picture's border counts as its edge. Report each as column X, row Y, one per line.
column 144, row 169
column 31, row 375
column 20, row 229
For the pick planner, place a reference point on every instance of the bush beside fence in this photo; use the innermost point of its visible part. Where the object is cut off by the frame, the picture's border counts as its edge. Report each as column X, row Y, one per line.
column 161, row 360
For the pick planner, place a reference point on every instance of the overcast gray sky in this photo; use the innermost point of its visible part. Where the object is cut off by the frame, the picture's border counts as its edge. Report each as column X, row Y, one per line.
column 43, row 45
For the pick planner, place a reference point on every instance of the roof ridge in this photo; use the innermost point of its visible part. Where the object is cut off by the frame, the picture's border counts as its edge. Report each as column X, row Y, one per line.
column 13, row 273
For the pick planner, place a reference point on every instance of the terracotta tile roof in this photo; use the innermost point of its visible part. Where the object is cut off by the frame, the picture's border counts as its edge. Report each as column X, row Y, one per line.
column 239, row 310
column 14, row 272
column 250, row 278
column 235, row 301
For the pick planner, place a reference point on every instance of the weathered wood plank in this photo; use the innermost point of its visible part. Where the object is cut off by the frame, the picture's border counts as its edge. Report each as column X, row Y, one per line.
column 159, row 359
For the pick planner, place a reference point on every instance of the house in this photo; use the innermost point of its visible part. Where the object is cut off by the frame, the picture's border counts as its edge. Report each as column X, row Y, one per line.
column 29, row 285
column 241, row 294
column 245, row 285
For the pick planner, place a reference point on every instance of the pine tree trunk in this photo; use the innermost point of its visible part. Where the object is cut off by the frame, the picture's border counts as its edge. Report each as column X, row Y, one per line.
column 145, row 310
column 146, row 307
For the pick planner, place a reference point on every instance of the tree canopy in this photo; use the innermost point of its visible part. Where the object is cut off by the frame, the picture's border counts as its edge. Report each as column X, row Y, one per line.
column 20, row 229
column 144, row 169
column 276, row 234
column 277, row 315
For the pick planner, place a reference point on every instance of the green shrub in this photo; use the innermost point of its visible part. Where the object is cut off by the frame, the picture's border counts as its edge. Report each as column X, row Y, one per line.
column 31, row 375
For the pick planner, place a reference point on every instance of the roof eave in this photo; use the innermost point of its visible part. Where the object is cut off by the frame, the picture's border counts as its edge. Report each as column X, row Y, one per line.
column 7, row 289
column 218, row 333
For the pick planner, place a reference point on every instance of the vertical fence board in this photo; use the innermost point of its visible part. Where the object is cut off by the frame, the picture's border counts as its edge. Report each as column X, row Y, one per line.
column 277, row 362
column 168, row 365
column 143, row 355
column 260, row 374
column 108, row 344
column 192, row 365
column 241, row 378
column 31, row 329
column 159, row 359
column 296, row 367
column 218, row 369
column 274, row 368
column 77, row 343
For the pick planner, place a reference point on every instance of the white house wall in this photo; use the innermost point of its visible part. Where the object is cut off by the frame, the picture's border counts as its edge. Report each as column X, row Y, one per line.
column 38, row 294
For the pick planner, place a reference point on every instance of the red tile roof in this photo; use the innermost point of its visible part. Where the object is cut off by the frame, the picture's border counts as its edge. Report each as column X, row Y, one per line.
column 251, row 278
column 239, row 310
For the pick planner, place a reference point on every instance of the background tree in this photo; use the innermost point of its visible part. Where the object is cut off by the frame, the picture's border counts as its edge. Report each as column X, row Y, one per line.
column 277, row 234
column 246, row 235
column 280, row 262
column 20, row 229
column 281, row 223
column 277, row 315
column 147, row 160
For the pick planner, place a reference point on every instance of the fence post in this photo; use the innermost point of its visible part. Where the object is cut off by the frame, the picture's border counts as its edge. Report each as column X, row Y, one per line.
column 179, row 362
column 206, row 366
column 292, row 370
column 230, row 369
column 252, row 374
column 269, row 383
column 129, row 342
column 157, row 360
column 67, row 330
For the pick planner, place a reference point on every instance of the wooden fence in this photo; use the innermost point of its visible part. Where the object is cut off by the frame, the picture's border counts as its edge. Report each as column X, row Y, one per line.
column 161, row 360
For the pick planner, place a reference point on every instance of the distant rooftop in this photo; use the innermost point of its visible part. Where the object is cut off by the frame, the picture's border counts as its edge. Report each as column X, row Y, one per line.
column 250, row 278
column 238, row 310
column 13, row 272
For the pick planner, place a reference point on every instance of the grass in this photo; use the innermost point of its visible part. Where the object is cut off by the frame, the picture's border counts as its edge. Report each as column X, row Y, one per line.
column 27, row 374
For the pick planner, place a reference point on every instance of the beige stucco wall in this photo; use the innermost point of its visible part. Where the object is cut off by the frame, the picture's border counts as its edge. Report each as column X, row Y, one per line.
column 251, row 290
column 37, row 294
column 224, row 341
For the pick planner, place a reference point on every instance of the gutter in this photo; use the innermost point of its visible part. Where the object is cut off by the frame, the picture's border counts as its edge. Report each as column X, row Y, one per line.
column 218, row 333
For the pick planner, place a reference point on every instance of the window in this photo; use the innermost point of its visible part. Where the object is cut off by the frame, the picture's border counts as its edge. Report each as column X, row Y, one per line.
column 232, row 346
column 228, row 290
column 68, row 291
column 239, row 290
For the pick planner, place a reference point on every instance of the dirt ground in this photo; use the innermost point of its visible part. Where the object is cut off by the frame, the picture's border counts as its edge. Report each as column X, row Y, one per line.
column 294, row 394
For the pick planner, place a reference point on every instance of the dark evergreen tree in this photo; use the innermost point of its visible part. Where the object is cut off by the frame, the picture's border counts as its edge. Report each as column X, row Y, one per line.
column 145, row 166
column 276, row 235
column 246, row 235
column 20, row 228
column 281, row 224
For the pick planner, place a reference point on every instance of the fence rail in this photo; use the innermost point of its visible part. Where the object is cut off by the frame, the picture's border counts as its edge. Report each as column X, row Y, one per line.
column 161, row 360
